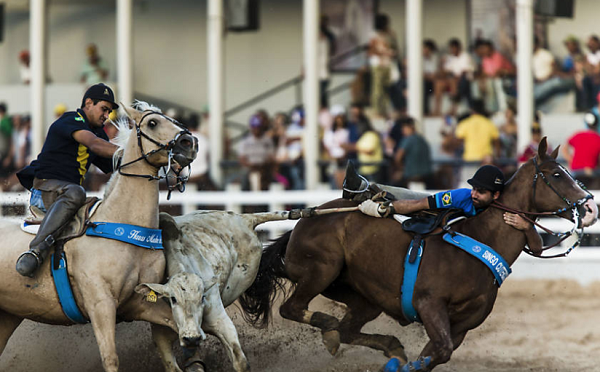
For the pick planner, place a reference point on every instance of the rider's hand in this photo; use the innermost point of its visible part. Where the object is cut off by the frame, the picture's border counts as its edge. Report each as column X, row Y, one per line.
column 371, row 208
column 516, row 221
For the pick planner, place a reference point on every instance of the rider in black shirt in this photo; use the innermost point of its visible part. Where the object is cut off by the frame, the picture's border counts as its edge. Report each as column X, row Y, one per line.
column 74, row 142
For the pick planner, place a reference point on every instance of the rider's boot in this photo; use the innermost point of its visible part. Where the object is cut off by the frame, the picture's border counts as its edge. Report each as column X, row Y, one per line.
column 357, row 188
column 59, row 213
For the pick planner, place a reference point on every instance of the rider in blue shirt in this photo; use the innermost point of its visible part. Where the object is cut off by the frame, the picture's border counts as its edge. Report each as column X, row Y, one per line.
column 488, row 183
column 74, row 142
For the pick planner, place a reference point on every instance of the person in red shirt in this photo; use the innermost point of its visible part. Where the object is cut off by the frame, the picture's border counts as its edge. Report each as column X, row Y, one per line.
column 582, row 150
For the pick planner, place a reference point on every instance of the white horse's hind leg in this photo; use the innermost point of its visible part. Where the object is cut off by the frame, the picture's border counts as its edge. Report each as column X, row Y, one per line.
column 163, row 338
column 102, row 314
column 8, row 324
column 217, row 322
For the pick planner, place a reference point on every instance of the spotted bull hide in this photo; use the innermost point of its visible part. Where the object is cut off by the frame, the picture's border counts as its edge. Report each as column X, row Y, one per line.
column 212, row 258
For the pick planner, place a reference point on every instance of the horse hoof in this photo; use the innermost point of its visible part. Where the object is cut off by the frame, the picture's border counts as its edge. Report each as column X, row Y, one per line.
column 393, row 365
column 400, row 354
column 331, row 339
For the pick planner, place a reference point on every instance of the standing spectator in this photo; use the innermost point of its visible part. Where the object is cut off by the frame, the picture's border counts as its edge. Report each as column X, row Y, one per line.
column 414, row 155
column 582, row 150
column 24, row 69
column 508, row 134
column 546, row 75
column 383, row 52
column 494, row 68
column 369, row 150
column 431, row 65
column 6, row 130
column 295, row 134
column 532, row 149
column 94, row 69
column 256, row 155
column 281, row 172
column 455, row 78
column 573, row 66
column 479, row 135
column 200, row 166
column 335, row 140
column 356, row 120
column 591, row 81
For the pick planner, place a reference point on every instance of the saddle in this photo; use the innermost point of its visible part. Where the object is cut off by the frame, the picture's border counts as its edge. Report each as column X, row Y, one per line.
column 426, row 223
column 75, row 228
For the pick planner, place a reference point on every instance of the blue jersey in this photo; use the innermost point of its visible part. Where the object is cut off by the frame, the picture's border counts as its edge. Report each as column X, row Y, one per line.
column 62, row 157
column 458, row 199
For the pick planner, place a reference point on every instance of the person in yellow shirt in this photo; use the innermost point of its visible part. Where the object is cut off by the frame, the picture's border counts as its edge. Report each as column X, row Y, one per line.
column 479, row 135
column 370, row 153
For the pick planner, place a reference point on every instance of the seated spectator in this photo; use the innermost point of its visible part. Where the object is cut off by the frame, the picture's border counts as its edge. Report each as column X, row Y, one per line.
column 369, row 150
column 547, row 78
column 6, row 130
column 200, row 175
column 95, row 69
column 582, row 150
column 494, row 68
column 256, row 154
column 508, row 134
column 356, row 120
column 431, row 65
column 24, row 68
column 281, row 171
column 19, row 153
column 479, row 135
column 335, row 140
column 573, row 66
column 383, row 54
column 591, row 81
column 414, row 156
column 455, row 78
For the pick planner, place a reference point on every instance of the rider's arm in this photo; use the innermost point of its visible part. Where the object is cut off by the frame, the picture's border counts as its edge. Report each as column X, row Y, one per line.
column 95, row 144
column 405, row 206
column 534, row 240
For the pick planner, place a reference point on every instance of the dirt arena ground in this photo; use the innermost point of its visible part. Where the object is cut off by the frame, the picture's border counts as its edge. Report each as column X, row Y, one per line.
column 536, row 325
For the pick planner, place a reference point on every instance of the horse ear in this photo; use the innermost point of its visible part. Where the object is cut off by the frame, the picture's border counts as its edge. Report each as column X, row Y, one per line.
column 543, row 148
column 555, row 152
column 132, row 113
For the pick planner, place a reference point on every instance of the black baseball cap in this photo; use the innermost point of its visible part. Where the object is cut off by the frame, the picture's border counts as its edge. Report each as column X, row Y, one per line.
column 488, row 177
column 101, row 92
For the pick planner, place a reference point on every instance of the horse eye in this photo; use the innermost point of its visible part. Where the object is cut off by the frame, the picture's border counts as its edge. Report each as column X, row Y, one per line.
column 556, row 175
column 173, row 300
column 152, row 123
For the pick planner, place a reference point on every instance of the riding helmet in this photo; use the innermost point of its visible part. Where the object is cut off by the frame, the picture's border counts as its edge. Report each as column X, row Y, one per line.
column 488, row 177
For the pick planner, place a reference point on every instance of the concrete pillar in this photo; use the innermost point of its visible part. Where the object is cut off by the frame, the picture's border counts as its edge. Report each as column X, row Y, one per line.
column 524, row 73
column 414, row 35
column 37, row 46
column 215, row 87
column 124, row 51
column 311, row 93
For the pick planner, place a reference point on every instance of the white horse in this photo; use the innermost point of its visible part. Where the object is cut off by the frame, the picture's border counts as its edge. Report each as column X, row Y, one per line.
column 103, row 273
column 218, row 253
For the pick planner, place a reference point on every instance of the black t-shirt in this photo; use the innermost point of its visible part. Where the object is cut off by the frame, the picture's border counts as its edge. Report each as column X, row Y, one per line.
column 62, row 157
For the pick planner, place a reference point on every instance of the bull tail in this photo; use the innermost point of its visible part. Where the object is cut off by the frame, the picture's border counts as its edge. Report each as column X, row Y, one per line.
column 258, row 299
column 255, row 219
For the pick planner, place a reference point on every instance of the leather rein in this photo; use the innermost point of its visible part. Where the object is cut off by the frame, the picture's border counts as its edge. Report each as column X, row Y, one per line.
column 181, row 179
column 573, row 206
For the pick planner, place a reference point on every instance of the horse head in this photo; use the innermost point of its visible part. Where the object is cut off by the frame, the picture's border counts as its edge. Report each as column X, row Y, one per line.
column 553, row 190
column 187, row 294
column 159, row 138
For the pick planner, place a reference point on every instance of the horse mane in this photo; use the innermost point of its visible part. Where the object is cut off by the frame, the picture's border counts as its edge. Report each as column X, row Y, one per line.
column 145, row 106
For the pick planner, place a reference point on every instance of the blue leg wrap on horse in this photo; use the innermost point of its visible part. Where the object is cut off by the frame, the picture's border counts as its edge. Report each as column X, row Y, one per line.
column 392, row 365
column 418, row 365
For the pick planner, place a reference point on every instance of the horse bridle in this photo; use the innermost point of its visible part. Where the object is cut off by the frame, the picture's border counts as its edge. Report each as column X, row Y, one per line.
column 181, row 179
column 574, row 207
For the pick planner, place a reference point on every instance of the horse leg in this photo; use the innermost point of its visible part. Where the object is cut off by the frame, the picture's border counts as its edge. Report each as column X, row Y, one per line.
column 313, row 279
column 163, row 339
column 218, row 323
column 359, row 312
column 8, row 324
column 103, row 314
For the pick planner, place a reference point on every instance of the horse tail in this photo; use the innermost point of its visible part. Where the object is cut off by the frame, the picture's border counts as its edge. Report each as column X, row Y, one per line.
column 258, row 299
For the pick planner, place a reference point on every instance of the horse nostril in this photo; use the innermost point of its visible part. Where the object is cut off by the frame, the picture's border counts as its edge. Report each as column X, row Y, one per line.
column 191, row 341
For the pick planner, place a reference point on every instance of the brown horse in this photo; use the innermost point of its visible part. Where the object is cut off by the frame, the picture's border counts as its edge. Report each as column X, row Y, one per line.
column 359, row 261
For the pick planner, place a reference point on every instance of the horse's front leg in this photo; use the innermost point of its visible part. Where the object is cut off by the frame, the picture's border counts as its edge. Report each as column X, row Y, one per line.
column 163, row 339
column 217, row 322
column 102, row 313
